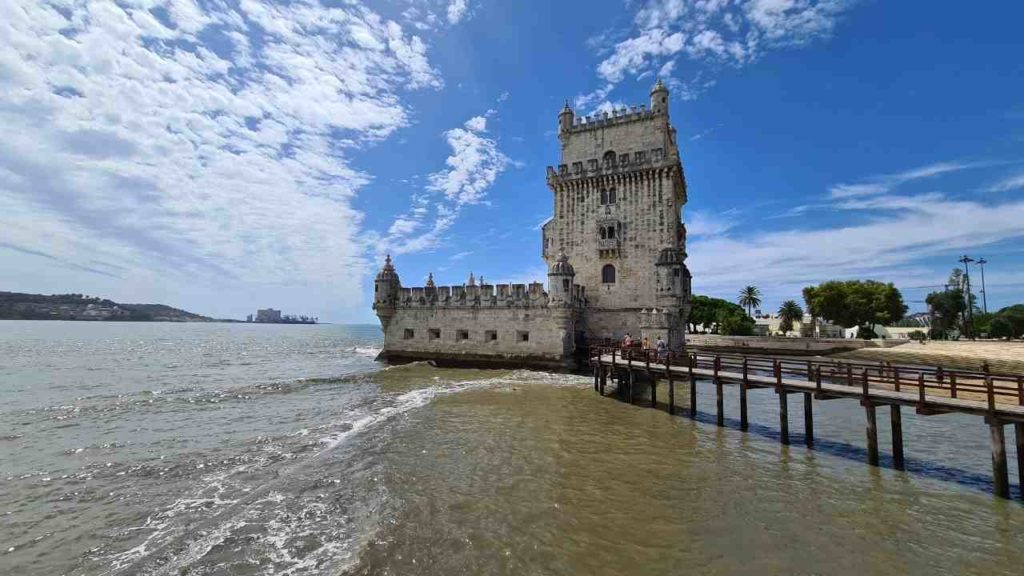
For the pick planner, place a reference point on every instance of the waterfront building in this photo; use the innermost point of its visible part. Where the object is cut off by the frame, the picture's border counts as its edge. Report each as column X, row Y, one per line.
column 268, row 315
column 615, row 248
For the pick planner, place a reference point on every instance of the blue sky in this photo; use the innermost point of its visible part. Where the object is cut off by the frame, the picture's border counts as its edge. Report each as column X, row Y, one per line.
column 226, row 155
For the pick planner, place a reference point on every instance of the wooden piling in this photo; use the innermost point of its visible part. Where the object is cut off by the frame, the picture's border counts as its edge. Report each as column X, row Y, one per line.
column 632, row 385
column 783, row 416
column 719, row 401
column 872, row 432
column 1000, row 473
column 654, row 393
column 693, row 388
column 604, row 380
column 671, row 387
column 896, row 419
column 597, row 376
column 1019, row 429
column 808, row 420
column 744, row 424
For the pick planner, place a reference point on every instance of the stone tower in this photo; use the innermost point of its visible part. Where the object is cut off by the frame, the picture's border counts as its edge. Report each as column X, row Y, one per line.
column 619, row 192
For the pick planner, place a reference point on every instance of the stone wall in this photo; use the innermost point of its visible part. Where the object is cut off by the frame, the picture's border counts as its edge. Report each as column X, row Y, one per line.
column 482, row 335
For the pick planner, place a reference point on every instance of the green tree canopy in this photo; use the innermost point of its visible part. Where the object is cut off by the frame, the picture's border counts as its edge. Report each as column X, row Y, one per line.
column 719, row 316
column 851, row 303
column 789, row 313
column 750, row 298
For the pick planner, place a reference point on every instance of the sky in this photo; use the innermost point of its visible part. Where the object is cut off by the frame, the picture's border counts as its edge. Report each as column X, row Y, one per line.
column 226, row 155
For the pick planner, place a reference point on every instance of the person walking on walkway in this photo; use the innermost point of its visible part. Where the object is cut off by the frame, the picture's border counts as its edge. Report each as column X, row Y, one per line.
column 646, row 343
column 662, row 349
column 627, row 342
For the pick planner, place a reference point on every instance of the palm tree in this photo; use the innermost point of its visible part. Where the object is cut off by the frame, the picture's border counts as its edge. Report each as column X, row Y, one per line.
column 789, row 312
column 750, row 298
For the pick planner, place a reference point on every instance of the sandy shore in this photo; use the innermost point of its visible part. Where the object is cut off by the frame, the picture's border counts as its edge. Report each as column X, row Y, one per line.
column 1006, row 357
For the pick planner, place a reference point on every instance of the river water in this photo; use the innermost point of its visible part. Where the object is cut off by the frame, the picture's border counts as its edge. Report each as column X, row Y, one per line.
column 262, row 449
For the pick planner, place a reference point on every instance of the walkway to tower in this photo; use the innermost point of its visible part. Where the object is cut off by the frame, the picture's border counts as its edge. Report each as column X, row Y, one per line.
column 998, row 398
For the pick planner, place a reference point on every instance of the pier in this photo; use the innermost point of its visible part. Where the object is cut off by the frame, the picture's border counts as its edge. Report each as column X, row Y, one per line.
column 997, row 398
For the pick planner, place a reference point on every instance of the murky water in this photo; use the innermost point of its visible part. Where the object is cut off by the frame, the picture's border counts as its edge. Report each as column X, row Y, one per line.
column 233, row 449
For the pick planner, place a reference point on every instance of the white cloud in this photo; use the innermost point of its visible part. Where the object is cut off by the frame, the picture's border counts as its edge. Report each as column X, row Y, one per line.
column 700, row 223
column 472, row 168
column 1008, row 184
column 178, row 148
column 709, row 33
column 457, row 10
column 903, row 233
column 477, row 123
column 883, row 183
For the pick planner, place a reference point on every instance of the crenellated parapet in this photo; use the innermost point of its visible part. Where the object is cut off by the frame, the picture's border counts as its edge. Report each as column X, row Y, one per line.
column 530, row 295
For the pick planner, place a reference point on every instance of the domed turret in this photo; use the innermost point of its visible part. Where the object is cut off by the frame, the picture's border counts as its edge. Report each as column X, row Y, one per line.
column 385, row 291
column 560, row 281
column 565, row 118
column 659, row 98
column 562, row 266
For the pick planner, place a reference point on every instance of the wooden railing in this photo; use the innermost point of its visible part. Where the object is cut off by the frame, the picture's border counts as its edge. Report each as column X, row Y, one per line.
column 984, row 384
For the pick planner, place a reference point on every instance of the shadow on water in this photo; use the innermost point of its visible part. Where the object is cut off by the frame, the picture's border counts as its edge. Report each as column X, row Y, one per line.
column 925, row 468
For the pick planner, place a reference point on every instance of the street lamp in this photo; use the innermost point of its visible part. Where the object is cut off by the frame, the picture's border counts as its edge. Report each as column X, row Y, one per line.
column 984, row 297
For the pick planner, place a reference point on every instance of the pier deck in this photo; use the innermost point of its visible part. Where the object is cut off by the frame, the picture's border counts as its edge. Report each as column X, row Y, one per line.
column 998, row 398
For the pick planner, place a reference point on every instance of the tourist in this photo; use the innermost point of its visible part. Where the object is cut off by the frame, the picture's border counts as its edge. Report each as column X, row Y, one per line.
column 662, row 349
column 627, row 341
column 646, row 343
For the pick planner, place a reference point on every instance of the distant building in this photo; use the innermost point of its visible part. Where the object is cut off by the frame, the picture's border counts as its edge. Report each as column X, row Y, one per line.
column 268, row 315
column 248, row 318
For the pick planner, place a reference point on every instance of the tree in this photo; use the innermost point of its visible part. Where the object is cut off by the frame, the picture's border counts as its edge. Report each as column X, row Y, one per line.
column 750, row 298
column 1009, row 322
column 856, row 303
column 719, row 316
column 789, row 312
column 947, row 308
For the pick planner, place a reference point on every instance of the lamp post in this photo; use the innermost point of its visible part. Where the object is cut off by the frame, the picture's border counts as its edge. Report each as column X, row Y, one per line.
column 984, row 297
column 969, row 312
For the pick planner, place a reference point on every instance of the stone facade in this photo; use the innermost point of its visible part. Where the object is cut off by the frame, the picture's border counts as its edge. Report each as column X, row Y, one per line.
column 615, row 248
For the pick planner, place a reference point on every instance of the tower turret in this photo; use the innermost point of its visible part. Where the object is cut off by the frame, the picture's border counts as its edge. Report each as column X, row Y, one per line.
column 561, row 278
column 659, row 98
column 672, row 288
column 565, row 118
column 385, row 292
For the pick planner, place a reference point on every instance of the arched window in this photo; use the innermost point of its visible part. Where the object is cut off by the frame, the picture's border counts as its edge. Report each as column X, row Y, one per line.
column 611, row 196
column 608, row 274
column 609, row 159
column 604, row 233
column 604, row 197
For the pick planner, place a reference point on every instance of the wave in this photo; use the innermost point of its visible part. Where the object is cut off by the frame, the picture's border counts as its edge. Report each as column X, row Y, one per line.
column 170, row 546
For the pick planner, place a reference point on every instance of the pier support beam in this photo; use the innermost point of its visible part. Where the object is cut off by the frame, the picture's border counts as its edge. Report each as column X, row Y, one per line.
column 671, row 393
column 896, row 418
column 1000, row 473
column 654, row 393
column 597, row 377
column 744, row 423
column 1019, row 429
column 783, row 416
column 872, row 431
column 604, row 380
column 808, row 420
column 693, row 397
column 632, row 385
column 719, row 403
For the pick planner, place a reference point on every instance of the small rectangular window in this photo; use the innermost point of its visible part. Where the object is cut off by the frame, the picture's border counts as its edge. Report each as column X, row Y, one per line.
column 409, row 334
column 434, row 334
column 565, row 284
column 490, row 336
column 522, row 336
column 461, row 335
column 639, row 157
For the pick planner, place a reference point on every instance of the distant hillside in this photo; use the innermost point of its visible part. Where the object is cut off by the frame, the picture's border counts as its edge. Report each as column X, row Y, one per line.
column 17, row 306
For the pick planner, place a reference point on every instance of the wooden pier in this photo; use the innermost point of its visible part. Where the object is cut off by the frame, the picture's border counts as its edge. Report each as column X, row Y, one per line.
column 998, row 398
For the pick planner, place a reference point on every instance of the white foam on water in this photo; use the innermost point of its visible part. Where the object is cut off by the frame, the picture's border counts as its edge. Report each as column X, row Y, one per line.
column 232, row 515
